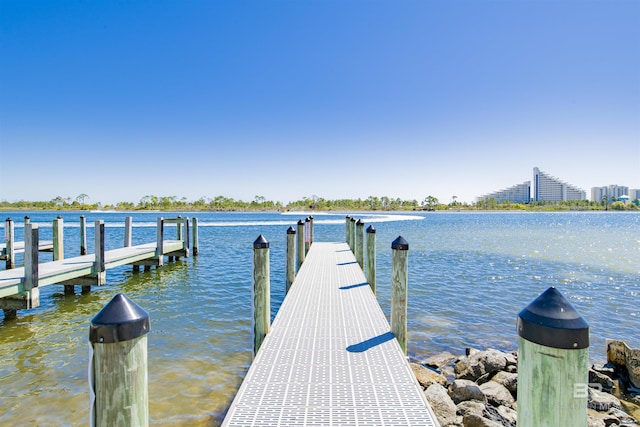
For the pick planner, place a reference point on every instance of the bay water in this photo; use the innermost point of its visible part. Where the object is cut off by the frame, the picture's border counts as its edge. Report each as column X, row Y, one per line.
column 470, row 273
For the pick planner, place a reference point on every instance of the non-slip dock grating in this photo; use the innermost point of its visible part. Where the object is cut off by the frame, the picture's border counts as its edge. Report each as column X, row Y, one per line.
column 330, row 358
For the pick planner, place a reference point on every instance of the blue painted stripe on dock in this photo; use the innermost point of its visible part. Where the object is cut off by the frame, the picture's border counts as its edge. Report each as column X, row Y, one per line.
column 330, row 358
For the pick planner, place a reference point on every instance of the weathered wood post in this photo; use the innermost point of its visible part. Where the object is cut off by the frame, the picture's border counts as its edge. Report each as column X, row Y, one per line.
column 261, row 292
column 291, row 258
column 159, row 242
column 311, row 232
column 360, row 243
column 301, row 252
column 370, row 265
column 31, row 251
column 352, row 244
column 179, row 228
column 9, row 240
column 307, row 235
column 347, row 221
column 58, row 239
column 118, row 375
column 83, row 235
column 194, row 246
column 128, row 226
column 399, row 283
column 99, row 268
column 553, row 363
column 185, row 237
column 27, row 220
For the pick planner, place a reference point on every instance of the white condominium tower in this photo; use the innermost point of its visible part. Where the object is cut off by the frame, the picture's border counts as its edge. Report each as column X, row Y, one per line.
column 547, row 188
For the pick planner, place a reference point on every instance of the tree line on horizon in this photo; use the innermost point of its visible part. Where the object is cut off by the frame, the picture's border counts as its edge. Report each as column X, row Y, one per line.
column 260, row 203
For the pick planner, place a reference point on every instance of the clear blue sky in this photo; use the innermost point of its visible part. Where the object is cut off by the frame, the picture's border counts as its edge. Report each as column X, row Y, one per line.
column 288, row 99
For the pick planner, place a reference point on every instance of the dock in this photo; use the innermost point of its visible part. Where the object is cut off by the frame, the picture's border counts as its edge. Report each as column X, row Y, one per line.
column 330, row 358
column 43, row 246
column 19, row 287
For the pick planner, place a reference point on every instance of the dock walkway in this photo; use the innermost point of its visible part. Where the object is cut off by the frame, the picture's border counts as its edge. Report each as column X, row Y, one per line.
column 330, row 358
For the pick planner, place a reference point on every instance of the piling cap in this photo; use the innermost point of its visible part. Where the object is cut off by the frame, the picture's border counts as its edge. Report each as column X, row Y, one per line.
column 370, row 229
column 353, row 219
column 291, row 230
column 360, row 222
column 400, row 244
column 552, row 321
column 120, row 320
column 260, row 243
column 300, row 222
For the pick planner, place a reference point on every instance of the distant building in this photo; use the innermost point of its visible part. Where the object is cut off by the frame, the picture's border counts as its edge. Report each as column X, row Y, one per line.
column 634, row 194
column 520, row 193
column 613, row 192
column 547, row 188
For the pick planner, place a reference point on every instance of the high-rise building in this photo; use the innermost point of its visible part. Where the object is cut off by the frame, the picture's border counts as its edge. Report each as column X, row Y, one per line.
column 520, row 193
column 613, row 192
column 634, row 194
column 547, row 188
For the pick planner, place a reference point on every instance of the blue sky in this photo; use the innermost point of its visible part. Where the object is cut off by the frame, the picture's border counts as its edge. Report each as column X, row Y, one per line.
column 339, row 99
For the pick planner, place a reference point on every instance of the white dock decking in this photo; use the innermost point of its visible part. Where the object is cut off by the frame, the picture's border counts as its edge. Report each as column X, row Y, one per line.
column 330, row 358
column 43, row 246
column 12, row 281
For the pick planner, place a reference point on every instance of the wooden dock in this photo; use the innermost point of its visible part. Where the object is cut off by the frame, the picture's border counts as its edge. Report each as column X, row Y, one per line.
column 19, row 287
column 330, row 358
column 43, row 246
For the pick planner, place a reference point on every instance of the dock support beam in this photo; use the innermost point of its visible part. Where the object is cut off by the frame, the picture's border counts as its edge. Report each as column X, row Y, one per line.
column 58, row 239
column 399, row 281
column 100, row 268
column 118, row 375
column 194, row 246
column 128, row 226
column 553, row 363
column 83, row 235
column 360, row 243
column 370, row 265
column 261, row 292
column 291, row 258
column 9, row 240
column 301, row 252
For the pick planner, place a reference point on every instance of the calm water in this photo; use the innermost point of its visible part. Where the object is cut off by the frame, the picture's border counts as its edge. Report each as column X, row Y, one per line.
column 469, row 276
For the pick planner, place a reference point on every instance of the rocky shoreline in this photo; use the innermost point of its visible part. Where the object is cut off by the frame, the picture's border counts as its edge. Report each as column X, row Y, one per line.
column 479, row 389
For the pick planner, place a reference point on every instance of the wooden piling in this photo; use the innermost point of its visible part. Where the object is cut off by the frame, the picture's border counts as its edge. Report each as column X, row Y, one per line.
column 128, row 226
column 301, row 252
column 553, row 363
column 399, row 283
column 347, row 221
column 291, row 258
column 261, row 292
column 360, row 243
column 27, row 220
column 31, row 251
column 83, row 235
column 307, row 235
column 118, row 377
column 352, row 235
column 58, row 239
column 100, row 268
column 370, row 265
column 9, row 240
column 194, row 246
column 311, row 231
column 159, row 241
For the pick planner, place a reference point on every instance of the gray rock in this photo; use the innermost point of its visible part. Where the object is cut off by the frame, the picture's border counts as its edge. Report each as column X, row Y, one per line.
column 439, row 360
column 442, row 405
column 497, row 394
column 508, row 415
column 473, row 420
column 604, row 380
column 480, row 363
column 624, row 419
column 426, row 376
column 601, row 401
column 463, row 390
column 619, row 353
column 509, row 380
column 470, row 407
